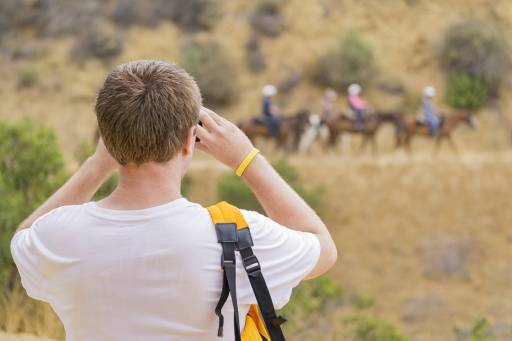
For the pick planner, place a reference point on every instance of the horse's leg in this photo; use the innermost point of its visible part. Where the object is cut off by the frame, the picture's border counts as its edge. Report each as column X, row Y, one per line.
column 437, row 145
column 374, row 146
column 452, row 145
column 364, row 143
column 407, row 143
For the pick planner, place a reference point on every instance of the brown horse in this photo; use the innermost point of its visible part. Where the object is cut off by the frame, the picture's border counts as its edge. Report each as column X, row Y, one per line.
column 411, row 128
column 291, row 127
column 345, row 124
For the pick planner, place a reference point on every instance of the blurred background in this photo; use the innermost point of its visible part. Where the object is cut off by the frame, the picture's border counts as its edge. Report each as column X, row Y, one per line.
column 425, row 240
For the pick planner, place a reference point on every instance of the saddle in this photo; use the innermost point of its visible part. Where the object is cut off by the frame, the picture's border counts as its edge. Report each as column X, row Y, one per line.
column 259, row 120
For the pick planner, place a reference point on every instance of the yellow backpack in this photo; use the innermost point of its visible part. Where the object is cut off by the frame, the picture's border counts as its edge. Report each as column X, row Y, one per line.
column 261, row 322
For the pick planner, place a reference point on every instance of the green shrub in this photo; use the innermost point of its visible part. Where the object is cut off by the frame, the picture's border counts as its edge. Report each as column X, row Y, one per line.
column 267, row 17
column 31, row 168
column 362, row 302
column 213, row 71
column 350, row 62
column 232, row 189
column 99, row 41
column 365, row 328
column 479, row 331
column 27, row 77
column 310, row 298
column 190, row 15
column 478, row 49
column 466, row 92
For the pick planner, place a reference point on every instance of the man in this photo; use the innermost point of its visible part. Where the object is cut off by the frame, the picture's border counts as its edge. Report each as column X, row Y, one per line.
column 428, row 111
column 356, row 104
column 270, row 115
column 144, row 263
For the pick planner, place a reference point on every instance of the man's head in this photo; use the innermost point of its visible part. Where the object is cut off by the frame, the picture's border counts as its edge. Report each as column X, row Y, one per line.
column 145, row 111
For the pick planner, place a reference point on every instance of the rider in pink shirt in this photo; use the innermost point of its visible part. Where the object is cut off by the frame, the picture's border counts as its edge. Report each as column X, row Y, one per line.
column 358, row 106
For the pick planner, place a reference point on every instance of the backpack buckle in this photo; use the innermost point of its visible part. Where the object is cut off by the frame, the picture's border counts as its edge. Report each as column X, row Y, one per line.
column 252, row 265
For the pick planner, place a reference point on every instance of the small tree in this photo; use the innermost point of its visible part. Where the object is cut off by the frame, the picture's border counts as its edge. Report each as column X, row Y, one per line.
column 212, row 69
column 478, row 49
column 350, row 62
column 466, row 92
column 31, row 168
column 190, row 15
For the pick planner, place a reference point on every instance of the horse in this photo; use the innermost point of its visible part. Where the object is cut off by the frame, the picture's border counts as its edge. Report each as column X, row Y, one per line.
column 344, row 124
column 290, row 127
column 448, row 123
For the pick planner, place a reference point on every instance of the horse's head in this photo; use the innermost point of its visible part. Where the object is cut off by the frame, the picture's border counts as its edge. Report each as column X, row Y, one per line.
column 468, row 118
column 303, row 117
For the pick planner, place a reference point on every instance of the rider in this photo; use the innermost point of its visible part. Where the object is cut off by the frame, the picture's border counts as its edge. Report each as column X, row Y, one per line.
column 270, row 115
column 327, row 103
column 428, row 111
column 358, row 106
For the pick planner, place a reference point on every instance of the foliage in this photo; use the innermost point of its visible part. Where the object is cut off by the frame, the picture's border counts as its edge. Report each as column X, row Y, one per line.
column 27, row 77
column 314, row 297
column 31, row 168
column 190, row 15
column 267, row 17
column 254, row 54
column 362, row 302
column 350, row 62
column 212, row 69
column 232, row 189
column 478, row 49
column 479, row 331
column 97, row 42
column 466, row 92
column 365, row 328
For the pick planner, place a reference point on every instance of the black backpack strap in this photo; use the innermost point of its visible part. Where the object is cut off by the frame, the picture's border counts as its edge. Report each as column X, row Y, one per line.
column 252, row 267
column 227, row 237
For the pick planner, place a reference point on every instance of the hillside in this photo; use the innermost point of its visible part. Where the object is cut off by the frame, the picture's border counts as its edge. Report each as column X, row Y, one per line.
column 427, row 240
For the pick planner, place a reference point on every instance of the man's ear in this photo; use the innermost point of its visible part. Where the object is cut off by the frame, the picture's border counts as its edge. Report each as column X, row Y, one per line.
column 190, row 140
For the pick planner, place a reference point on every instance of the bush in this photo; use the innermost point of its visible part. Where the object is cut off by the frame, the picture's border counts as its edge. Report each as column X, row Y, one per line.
column 97, row 42
column 232, row 189
column 477, row 49
column 27, row 77
column 31, row 168
column 254, row 53
column 267, row 18
column 365, row 328
column 466, row 92
column 351, row 62
column 190, row 15
column 213, row 71
column 127, row 13
column 479, row 331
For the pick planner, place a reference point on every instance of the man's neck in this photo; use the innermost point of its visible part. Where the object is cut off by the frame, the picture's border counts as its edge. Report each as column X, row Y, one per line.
column 148, row 185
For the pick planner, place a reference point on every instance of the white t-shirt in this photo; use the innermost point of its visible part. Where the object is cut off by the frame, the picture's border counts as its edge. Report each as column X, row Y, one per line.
column 151, row 274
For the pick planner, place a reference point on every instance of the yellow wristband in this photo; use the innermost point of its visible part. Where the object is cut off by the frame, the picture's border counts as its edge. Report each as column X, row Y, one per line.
column 246, row 162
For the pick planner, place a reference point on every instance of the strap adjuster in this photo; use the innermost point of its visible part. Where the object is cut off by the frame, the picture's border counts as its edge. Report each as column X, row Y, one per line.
column 251, row 265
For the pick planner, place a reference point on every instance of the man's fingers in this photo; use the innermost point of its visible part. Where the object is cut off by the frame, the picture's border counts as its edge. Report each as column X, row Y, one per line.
column 216, row 117
column 202, row 134
column 208, row 121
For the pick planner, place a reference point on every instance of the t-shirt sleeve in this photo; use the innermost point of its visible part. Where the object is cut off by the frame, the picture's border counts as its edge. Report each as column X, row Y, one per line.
column 286, row 257
column 32, row 257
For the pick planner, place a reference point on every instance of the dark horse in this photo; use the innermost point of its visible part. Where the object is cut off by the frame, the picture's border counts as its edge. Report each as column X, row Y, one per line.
column 412, row 127
column 371, row 124
column 291, row 127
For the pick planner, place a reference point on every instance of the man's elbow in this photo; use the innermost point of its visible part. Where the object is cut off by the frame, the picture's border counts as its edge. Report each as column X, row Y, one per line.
column 332, row 256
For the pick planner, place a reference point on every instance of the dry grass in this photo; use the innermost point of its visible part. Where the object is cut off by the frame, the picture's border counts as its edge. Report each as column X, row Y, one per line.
column 402, row 226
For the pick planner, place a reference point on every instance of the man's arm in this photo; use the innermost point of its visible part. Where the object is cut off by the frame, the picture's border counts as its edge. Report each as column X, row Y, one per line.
column 80, row 187
column 223, row 140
